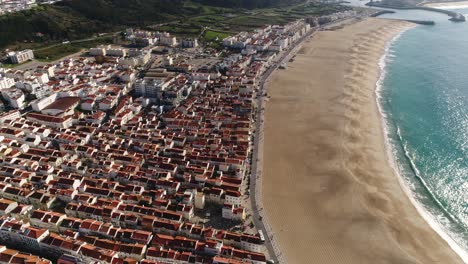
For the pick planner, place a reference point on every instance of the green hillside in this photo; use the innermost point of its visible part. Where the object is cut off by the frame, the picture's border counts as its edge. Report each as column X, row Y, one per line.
column 77, row 19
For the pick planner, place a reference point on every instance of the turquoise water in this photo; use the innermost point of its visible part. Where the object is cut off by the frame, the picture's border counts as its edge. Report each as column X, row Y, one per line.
column 424, row 96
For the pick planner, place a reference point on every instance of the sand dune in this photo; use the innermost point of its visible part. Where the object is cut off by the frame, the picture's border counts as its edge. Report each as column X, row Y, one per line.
column 328, row 189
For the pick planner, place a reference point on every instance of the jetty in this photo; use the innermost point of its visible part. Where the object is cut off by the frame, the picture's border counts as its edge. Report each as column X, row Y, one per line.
column 420, row 22
column 454, row 16
column 382, row 12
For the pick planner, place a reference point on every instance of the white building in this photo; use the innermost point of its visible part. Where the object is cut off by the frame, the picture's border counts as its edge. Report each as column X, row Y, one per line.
column 129, row 62
column 118, row 52
column 100, row 51
column 21, row 56
column 41, row 91
column 233, row 212
column 12, row 115
column 168, row 61
column 168, row 40
column 40, row 104
column 190, row 43
column 51, row 121
column 15, row 97
column 199, row 200
column 6, row 82
column 234, row 198
column 229, row 41
column 42, row 78
column 6, row 206
column 139, row 60
column 50, row 70
column 150, row 88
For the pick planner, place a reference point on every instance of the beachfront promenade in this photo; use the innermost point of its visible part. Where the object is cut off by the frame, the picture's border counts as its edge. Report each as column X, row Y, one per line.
column 259, row 217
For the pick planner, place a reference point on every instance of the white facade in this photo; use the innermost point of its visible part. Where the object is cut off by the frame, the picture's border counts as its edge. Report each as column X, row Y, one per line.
column 168, row 41
column 15, row 97
column 149, row 88
column 233, row 200
column 8, row 206
column 6, row 82
column 190, row 43
column 21, row 56
column 97, row 52
column 168, row 61
column 200, row 200
column 118, row 52
column 43, row 78
column 40, row 104
column 12, row 115
column 50, row 70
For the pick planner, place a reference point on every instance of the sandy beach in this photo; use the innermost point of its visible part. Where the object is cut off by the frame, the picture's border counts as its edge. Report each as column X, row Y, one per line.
column 329, row 191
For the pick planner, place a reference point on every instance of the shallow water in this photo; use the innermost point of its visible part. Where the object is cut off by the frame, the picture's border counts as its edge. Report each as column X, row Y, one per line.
column 424, row 96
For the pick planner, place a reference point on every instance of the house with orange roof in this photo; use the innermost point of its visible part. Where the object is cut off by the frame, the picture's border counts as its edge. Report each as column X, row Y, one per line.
column 41, row 199
column 14, row 256
column 47, row 219
column 223, row 260
column 233, row 212
column 6, row 206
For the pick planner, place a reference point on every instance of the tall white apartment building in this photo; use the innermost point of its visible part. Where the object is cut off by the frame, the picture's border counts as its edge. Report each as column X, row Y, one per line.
column 15, row 97
column 21, row 56
column 168, row 40
column 6, row 82
column 150, row 88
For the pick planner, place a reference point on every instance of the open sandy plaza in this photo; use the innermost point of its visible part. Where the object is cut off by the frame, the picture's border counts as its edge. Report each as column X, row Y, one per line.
column 329, row 191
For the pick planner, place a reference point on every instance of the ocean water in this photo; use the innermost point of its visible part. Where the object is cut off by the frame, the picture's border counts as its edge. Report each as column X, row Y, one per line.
column 423, row 95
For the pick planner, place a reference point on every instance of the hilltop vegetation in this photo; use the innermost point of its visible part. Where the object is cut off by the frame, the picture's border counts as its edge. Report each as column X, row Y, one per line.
column 73, row 19
column 77, row 19
column 249, row 3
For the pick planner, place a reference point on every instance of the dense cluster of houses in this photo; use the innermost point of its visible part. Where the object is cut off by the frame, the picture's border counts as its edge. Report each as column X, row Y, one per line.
column 104, row 189
column 268, row 38
column 8, row 6
column 90, row 174
column 321, row 20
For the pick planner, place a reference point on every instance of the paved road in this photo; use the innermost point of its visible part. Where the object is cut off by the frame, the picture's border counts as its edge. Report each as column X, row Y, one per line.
column 31, row 65
column 79, row 40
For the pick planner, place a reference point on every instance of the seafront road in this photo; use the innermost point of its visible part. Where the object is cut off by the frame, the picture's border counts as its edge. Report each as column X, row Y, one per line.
column 260, row 219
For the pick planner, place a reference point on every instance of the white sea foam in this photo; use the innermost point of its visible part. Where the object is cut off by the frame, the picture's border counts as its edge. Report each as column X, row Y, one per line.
column 432, row 220
column 453, row 6
column 450, row 5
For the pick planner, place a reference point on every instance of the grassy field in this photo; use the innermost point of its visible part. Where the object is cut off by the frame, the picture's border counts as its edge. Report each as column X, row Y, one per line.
column 62, row 50
column 223, row 22
column 182, row 29
column 211, row 35
column 8, row 65
column 204, row 9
